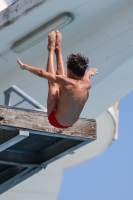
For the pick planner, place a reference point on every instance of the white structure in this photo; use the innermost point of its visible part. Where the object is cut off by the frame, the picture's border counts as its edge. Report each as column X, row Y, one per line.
column 103, row 31
column 4, row 4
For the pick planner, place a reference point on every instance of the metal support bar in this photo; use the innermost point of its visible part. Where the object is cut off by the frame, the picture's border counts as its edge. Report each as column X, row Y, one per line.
column 6, row 174
column 19, row 157
column 18, row 164
column 9, row 163
column 18, row 178
column 26, row 173
column 19, row 103
column 22, row 135
column 55, row 151
column 22, row 94
column 9, row 182
column 7, row 99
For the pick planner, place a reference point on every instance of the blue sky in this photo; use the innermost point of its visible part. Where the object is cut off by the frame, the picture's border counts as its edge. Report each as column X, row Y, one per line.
column 110, row 175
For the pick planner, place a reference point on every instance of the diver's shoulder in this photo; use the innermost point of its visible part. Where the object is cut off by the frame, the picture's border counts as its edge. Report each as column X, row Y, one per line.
column 87, row 83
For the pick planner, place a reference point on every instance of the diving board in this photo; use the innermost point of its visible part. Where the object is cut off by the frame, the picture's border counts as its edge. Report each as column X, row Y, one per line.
column 28, row 143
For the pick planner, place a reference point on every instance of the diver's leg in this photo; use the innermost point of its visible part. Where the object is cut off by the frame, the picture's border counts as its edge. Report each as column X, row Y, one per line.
column 53, row 93
column 59, row 58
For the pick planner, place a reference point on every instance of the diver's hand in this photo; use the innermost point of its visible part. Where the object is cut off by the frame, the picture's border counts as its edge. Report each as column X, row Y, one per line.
column 22, row 65
column 93, row 71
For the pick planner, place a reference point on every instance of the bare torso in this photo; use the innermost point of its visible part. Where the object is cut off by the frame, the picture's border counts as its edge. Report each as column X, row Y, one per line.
column 71, row 102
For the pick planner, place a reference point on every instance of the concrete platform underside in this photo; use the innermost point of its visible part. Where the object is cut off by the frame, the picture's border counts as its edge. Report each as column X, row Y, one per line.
column 28, row 143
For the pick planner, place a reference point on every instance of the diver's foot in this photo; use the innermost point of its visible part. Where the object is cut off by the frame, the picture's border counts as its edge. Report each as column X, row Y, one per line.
column 58, row 44
column 51, row 40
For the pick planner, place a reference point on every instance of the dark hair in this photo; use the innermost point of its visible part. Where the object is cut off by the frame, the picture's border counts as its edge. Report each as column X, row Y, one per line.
column 77, row 63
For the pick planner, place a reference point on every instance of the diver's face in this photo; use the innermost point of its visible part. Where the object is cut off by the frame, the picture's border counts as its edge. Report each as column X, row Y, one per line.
column 69, row 73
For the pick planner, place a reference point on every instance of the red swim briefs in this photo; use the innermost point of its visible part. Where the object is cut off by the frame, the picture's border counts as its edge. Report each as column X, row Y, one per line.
column 53, row 121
